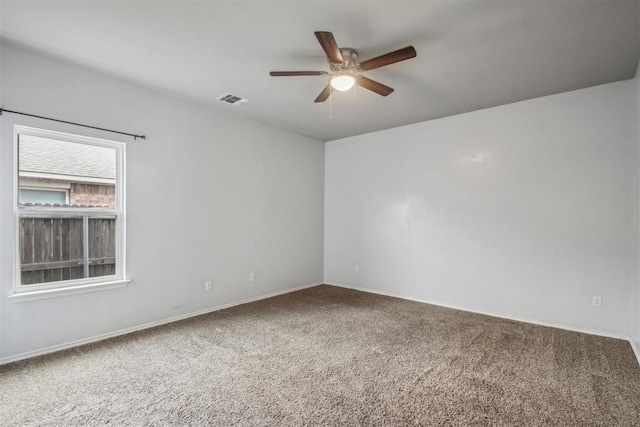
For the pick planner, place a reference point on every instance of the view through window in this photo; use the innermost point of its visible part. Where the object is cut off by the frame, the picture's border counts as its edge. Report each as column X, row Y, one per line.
column 69, row 212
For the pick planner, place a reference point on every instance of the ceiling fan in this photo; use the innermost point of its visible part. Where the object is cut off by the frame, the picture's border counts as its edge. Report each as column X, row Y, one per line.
column 345, row 70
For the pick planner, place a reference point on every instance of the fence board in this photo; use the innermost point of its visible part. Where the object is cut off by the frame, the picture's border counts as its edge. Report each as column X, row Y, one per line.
column 75, row 239
column 50, row 248
column 56, row 231
column 26, row 240
column 39, row 250
column 51, row 275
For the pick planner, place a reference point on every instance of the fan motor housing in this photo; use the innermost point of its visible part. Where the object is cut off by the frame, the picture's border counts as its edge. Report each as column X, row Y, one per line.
column 350, row 57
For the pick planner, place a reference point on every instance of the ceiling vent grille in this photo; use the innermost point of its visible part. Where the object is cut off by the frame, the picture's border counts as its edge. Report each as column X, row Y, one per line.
column 229, row 98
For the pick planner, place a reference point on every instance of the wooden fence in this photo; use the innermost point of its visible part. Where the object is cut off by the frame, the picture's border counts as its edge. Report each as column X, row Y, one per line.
column 53, row 249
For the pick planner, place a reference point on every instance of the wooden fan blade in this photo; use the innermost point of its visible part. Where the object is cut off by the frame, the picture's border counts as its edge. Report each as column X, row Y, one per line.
column 373, row 86
column 297, row 73
column 330, row 46
column 390, row 58
column 324, row 95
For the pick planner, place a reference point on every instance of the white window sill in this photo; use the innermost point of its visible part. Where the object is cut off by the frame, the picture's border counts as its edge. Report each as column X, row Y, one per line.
column 72, row 290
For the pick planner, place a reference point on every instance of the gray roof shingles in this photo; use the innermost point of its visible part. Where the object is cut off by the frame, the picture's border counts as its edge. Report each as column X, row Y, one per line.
column 43, row 155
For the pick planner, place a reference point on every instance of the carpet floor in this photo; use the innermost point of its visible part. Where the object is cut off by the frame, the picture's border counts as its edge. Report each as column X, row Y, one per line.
column 331, row 356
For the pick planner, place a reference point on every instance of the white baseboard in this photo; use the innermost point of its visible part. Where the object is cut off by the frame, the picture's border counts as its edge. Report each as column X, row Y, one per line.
column 518, row 319
column 107, row 335
column 636, row 349
column 101, row 337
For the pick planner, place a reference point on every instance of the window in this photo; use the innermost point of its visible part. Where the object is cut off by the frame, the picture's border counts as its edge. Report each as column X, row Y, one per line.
column 69, row 212
column 34, row 196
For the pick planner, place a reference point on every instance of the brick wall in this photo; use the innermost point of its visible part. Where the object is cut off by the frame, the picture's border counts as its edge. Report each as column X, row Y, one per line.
column 92, row 195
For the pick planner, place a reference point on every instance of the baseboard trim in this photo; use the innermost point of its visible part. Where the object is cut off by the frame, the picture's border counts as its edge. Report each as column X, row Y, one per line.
column 636, row 349
column 95, row 338
column 518, row 319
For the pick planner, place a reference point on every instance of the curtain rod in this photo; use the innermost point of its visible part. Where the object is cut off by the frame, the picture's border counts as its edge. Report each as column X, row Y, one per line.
column 135, row 137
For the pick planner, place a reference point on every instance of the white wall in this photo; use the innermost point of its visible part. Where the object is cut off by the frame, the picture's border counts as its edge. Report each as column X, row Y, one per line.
column 209, row 196
column 524, row 210
column 531, row 232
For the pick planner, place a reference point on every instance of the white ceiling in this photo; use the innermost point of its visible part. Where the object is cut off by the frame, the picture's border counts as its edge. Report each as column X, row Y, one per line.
column 471, row 54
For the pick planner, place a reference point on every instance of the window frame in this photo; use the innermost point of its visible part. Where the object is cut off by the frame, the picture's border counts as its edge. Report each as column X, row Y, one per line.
column 64, row 287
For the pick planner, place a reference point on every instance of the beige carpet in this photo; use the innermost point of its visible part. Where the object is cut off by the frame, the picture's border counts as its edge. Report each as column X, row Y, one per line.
column 331, row 356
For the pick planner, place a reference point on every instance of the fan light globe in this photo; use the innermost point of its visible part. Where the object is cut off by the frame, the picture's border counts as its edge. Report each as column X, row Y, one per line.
column 342, row 82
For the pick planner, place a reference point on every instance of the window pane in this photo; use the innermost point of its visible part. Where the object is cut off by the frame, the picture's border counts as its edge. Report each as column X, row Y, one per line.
column 87, row 171
column 42, row 197
column 102, row 247
column 51, row 249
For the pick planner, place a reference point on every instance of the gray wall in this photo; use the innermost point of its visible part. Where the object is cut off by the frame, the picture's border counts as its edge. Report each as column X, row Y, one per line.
column 524, row 210
column 210, row 196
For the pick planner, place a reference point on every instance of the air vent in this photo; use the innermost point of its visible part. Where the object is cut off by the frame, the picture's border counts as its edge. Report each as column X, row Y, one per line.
column 229, row 98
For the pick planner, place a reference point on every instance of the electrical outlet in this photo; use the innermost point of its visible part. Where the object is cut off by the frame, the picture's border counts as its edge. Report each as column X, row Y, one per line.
column 356, row 268
column 596, row 301
column 207, row 285
column 252, row 277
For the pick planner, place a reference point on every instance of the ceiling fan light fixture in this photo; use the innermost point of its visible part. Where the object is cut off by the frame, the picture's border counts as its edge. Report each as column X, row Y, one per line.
column 343, row 82
column 345, row 70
